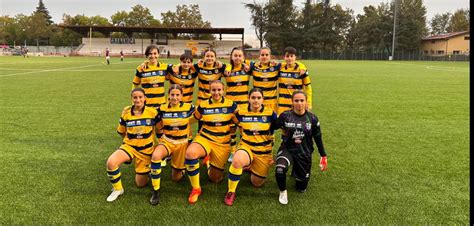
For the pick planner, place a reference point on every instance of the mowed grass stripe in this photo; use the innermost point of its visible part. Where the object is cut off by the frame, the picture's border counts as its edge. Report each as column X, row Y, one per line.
column 397, row 137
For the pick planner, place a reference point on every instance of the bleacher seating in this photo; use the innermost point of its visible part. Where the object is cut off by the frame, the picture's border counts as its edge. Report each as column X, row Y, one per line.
column 96, row 47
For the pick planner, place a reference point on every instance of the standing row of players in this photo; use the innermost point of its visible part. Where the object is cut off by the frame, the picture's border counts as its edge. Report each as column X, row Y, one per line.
column 278, row 87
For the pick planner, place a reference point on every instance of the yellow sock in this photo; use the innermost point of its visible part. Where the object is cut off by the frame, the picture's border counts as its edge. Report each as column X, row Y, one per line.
column 115, row 178
column 155, row 174
column 192, row 168
column 234, row 178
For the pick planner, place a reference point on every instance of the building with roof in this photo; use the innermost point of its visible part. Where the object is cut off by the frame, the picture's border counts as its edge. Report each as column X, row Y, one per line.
column 455, row 43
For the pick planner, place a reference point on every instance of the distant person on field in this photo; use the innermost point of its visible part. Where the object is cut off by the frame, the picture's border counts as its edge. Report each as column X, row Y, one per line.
column 299, row 129
column 121, row 55
column 107, row 55
column 168, row 54
column 137, row 127
column 293, row 76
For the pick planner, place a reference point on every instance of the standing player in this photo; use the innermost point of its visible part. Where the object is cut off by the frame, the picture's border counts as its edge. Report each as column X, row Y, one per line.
column 175, row 121
column 237, row 81
column 137, row 127
column 152, row 76
column 215, row 114
column 185, row 77
column 121, row 55
column 107, row 55
column 292, row 76
column 300, row 127
column 256, row 123
column 265, row 77
column 208, row 71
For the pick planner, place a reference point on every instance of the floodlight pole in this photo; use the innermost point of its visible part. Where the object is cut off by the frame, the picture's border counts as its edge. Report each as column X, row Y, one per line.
column 394, row 28
column 90, row 40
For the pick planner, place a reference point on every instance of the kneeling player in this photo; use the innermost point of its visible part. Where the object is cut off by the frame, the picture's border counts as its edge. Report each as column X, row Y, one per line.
column 137, row 127
column 175, row 118
column 299, row 128
column 256, row 123
column 215, row 115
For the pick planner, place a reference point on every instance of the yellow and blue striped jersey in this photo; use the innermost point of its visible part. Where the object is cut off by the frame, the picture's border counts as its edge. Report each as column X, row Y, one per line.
column 265, row 77
column 207, row 74
column 237, row 85
column 291, row 80
column 152, row 80
column 186, row 79
column 216, row 118
column 175, row 120
column 138, row 131
column 257, row 128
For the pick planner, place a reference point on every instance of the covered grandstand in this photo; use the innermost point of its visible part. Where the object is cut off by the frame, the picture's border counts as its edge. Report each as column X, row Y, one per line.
column 137, row 46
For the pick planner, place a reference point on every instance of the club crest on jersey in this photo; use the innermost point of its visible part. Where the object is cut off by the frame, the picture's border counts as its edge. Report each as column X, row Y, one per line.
column 216, row 71
column 148, row 121
column 308, row 126
column 184, row 114
column 264, row 118
column 224, row 110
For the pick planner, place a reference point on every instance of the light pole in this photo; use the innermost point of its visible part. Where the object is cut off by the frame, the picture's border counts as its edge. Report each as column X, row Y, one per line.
column 394, row 28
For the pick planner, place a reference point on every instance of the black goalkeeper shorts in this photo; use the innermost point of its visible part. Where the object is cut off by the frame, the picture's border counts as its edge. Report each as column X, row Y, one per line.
column 301, row 163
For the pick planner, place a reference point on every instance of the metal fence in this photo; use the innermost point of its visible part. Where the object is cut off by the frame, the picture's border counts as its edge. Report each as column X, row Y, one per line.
column 368, row 55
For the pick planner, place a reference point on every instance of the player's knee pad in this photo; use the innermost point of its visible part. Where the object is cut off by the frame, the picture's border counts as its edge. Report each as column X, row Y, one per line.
column 280, row 171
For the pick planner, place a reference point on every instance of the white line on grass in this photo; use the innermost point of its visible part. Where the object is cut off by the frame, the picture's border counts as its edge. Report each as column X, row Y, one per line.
column 62, row 69
column 439, row 68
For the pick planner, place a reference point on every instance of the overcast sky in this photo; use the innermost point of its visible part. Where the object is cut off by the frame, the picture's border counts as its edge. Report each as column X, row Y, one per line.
column 221, row 13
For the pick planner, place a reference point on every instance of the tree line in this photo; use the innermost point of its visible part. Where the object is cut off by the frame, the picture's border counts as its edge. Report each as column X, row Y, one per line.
column 39, row 29
column 324, row 26
column 315, row 26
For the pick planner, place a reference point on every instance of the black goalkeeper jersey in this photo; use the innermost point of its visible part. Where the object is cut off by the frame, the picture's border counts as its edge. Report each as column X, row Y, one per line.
column 299, row 131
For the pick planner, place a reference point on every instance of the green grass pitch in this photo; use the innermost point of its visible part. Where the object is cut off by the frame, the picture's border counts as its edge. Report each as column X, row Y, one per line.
column 396, row 133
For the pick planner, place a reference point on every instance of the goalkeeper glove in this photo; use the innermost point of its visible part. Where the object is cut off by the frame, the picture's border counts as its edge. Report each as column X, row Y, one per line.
column 323, row 163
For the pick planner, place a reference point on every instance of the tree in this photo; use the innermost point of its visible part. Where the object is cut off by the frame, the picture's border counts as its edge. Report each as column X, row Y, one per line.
column 459, row 21
column 259, row 19
column 374, row 29
column 439, row 23
column 323, row 26
column 120, row 18
column 41, row 8
column 140, row 16
column 411, row 25
column 186, row 17
column 39, row 28
column 281, row 25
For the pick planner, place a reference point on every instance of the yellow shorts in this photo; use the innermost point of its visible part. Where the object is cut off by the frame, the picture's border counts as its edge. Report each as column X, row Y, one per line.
column 177, row 150
column 260, row 162
column 218, row 153
column 142, row 158
column 271, row 103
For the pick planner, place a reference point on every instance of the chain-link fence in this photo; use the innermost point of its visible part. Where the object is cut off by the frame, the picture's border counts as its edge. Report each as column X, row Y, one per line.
column 373, row 55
